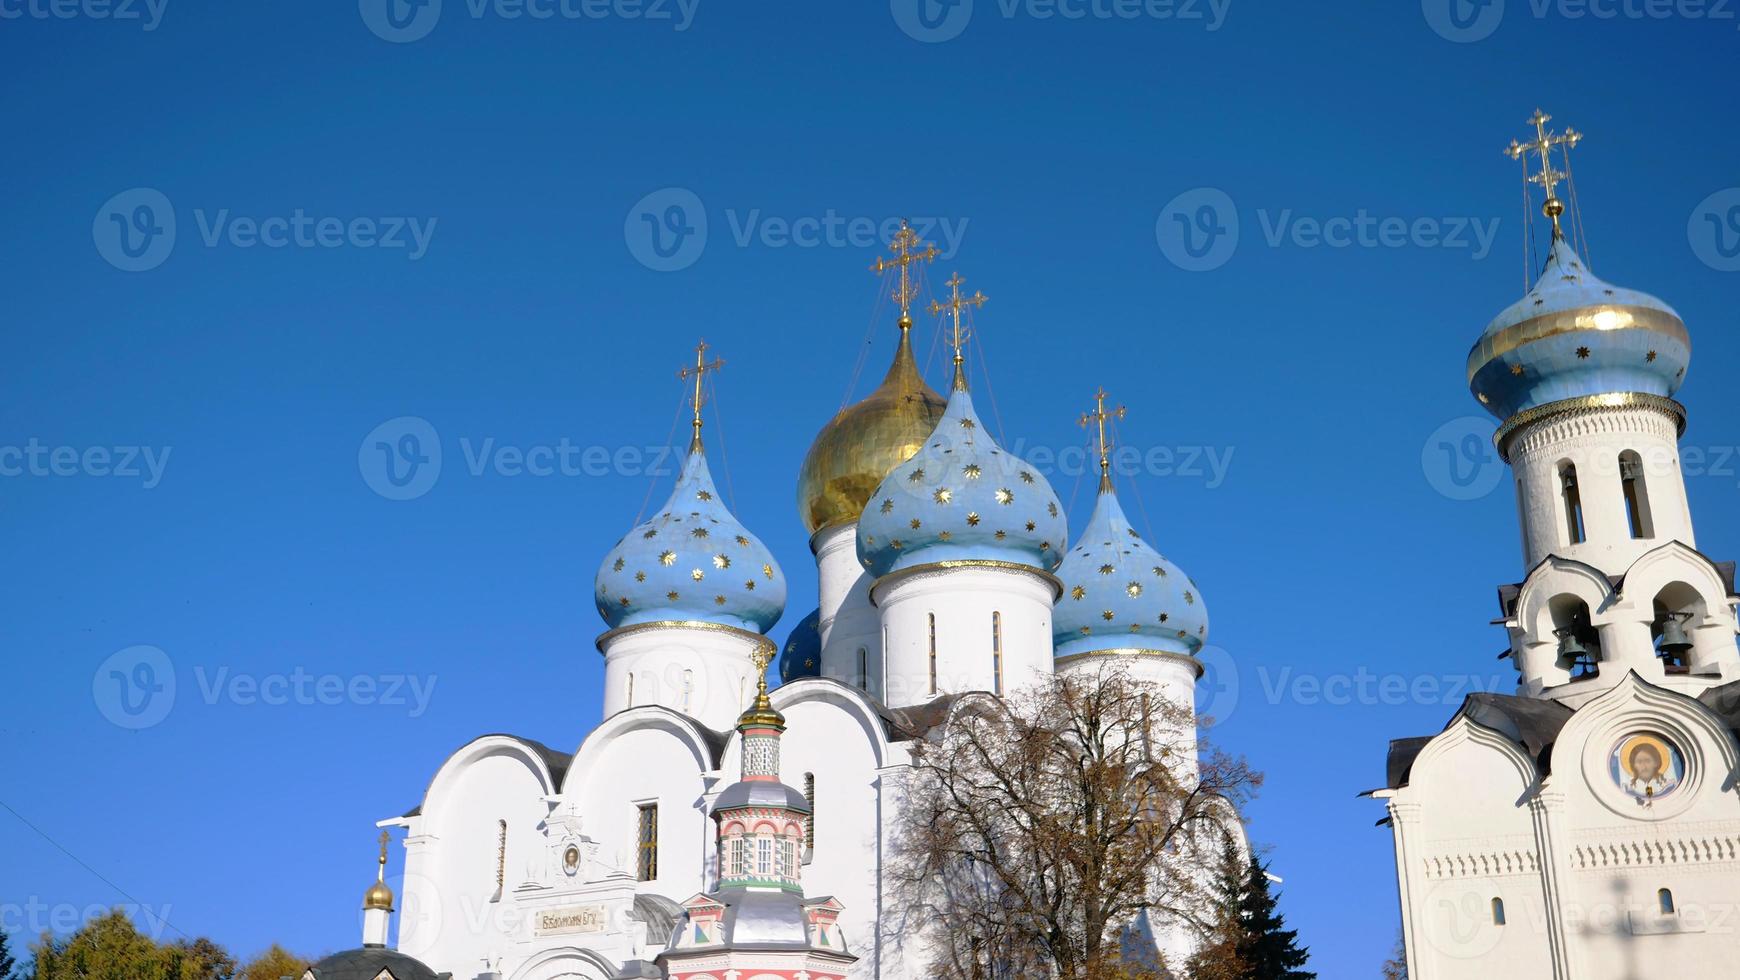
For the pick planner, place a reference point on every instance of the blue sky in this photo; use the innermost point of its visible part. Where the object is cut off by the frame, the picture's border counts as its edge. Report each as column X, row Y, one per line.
column 458, row 209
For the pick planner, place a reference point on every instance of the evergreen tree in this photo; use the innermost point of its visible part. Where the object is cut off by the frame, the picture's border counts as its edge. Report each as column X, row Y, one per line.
column 6, row 962
column 1268, row 950
column 1218, row 957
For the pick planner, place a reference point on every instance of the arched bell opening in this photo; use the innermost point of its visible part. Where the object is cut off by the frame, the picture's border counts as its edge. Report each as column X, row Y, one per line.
column 1679, row 610
column 1579, row 650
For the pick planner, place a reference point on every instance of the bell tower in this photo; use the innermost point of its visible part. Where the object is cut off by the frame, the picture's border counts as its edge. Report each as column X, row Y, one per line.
column 1581, row 375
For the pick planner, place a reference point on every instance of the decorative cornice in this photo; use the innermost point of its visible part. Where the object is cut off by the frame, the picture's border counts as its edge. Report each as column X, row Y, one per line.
column 1585, row 403
column 1181, row 658
column 677, row 624
column 990, row 563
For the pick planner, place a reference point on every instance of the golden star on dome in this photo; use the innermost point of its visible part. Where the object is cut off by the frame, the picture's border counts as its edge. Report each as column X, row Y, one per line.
column 971, row 471
column 749, row 585
column 718, row 600
column 1031, row 525
column 1134, row 589
column 640, row 576
column 1583, row 353
column 1077, row 593
column 1108, row 615
column 915, row 523
column 1026, row 477
column 699, row 532
column 1000, row 535
column 703, row 495
column 624, row 601
column 1189, row 598
column 1105, row 569
column 943, row 495
column 721, row 561
column 617, row 567
column 671, row 595
column 887, row 505
column 742, row 541
column 1158, row 570
column 1516, row 369
column 1005, row 496
column 944, row 535
column 651, row 534
column 917, row 475
column 667, row 558
column 1650, row 357
column 697, row 574
column 972, row 518
column 767, row 570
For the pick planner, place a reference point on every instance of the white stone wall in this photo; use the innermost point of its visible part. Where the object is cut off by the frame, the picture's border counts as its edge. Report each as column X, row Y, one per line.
column 963, row 600
column 704, row 673
column 850, row 626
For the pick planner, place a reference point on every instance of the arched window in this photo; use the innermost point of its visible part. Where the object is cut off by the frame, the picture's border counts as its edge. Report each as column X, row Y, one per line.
column 1573, row 498
column 1636, row 495
column 631, row 688
column 863, row 669
column 1498, row 911
column 933, row 653
column 997, row 652
column 688, row 688
column 1664, row 899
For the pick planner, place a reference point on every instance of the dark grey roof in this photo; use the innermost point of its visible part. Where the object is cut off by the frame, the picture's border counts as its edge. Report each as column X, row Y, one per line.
column 641, row 969
column 761, row 793
column 1533, row 723
column 1724, row 700
column 556, row 762
column 660, row 914
column 367, row 964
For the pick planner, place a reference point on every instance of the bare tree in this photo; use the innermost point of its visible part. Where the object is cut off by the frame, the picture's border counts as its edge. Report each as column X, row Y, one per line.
column 1042, row 830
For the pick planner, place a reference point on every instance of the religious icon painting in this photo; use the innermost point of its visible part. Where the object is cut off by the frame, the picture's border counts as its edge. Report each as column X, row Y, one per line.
column 1646, row 767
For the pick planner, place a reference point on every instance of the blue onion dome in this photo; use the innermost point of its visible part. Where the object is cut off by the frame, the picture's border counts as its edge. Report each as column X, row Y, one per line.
column 961, row 498
column 801, row 656
column 693, row 562
column 1575, row 336
column 1120, row 594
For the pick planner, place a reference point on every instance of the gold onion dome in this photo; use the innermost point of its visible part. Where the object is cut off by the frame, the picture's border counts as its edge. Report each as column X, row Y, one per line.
column 865, row 441
column 379, row 897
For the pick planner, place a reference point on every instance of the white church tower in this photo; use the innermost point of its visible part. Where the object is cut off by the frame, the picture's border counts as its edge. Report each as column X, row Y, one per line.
column 1589, row 826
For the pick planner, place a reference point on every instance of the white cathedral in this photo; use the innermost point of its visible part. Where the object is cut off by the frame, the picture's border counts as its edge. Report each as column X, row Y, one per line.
column 709, row 829
column 1586, row 827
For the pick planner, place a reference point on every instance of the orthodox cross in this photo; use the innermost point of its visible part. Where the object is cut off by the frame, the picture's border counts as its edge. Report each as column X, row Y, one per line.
column 1548, row 178
column 699, row 398
column 956, row 303
column 907, row 249
column 1099, row 417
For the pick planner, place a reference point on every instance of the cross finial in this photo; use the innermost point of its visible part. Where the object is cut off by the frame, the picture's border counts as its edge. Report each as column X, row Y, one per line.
column 1542, row 145
column 907, row 249
column 955, row 305
column 699, row 398
column 381, row 874
column 1099, row 416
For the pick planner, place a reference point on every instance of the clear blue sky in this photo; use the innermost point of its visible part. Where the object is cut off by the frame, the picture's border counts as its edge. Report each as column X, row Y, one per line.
column 260, row 549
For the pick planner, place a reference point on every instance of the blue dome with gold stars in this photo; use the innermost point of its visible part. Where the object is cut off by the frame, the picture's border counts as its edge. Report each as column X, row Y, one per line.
column 961, row 498
column 1120, row 594
column 1575, row 336
column 693, row 562
column 802, row 654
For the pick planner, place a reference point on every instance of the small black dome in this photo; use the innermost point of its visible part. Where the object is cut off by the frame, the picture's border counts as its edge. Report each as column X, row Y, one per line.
column 367, row 964
column 802, row 656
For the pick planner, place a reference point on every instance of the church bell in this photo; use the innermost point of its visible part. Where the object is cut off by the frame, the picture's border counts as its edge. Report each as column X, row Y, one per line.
column 1674, row 641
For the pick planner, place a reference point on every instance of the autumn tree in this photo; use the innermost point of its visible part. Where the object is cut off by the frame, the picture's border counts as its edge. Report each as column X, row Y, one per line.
column 1042, row 830
column 112, row 948
column 276, row 963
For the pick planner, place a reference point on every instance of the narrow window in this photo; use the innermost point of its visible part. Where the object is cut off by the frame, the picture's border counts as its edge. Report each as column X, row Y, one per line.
column 631, row 688
column 500, row 857
column 997, row 652
column 1636, row 494
column 739, row 860
column 1573, row 503
column 647, row 842
column 1665, row 899
column 1147, row 728
column 763, row 856
column 1498, row 911
column 863, row 669
column 688, row 688
column 933, row 653
column 810, row 821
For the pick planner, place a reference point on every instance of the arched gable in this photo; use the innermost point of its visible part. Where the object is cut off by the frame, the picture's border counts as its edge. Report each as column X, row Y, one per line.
column 1555, row 577
column 536, row 758
column 1444, row 759
column 855, row 704
column 701, row 744
column 566, row 963
column 1670, row 563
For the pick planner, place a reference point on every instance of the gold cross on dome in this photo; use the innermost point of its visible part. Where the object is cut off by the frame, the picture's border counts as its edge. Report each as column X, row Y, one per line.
column 907, row 249
column 955, row 305
column 385, row 840
column 1099, row 416
column 699, row 398
column 1542, row 145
